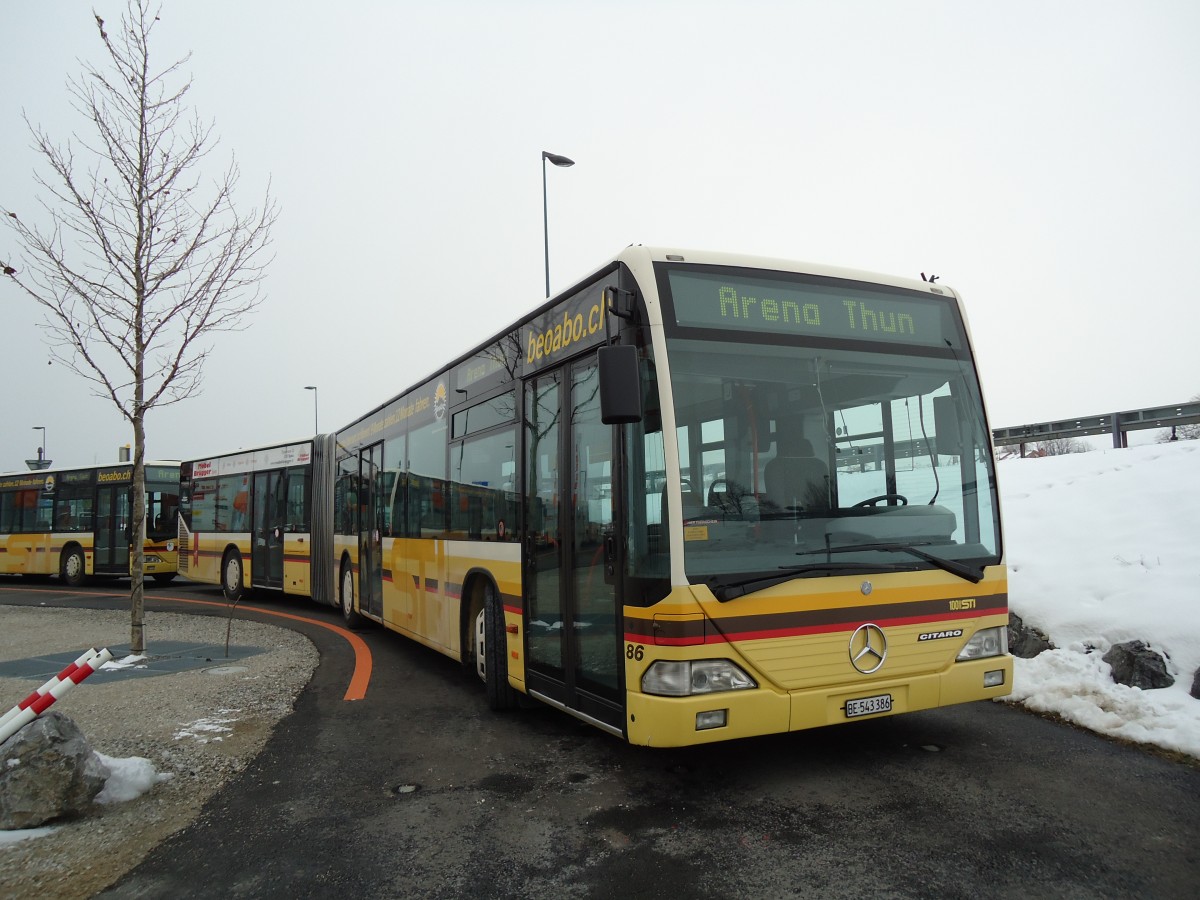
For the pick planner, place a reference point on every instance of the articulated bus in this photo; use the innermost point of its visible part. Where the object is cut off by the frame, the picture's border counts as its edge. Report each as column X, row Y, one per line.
column 695, row 497
column 75, row 523
column 260, row 519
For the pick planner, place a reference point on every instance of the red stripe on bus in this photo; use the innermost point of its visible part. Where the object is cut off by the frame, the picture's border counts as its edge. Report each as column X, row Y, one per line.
column 801, row 630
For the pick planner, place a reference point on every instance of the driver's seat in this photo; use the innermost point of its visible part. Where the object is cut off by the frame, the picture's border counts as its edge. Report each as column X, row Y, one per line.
column 795, row 478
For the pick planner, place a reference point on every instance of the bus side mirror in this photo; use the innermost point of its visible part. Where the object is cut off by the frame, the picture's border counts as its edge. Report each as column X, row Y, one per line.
column 620, row 385
column 945, row 423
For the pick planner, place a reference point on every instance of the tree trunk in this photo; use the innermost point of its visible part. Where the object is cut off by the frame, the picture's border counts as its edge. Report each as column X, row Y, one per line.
column 137, row 560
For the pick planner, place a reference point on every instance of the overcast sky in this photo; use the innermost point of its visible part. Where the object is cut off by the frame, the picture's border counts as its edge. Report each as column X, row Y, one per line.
column 1040, row 157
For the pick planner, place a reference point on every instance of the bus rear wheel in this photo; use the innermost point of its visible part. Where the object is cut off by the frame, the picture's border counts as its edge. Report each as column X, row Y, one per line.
column 231, row 576
column 72, row 569
column 491, row 651
column 353, row 619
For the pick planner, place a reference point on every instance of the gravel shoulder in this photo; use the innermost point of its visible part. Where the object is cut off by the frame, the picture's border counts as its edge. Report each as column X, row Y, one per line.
column 198, row 727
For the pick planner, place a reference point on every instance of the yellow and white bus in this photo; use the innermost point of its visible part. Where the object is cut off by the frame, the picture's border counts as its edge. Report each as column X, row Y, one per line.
column 257, row 519
column 75, row 523
column 695, row 497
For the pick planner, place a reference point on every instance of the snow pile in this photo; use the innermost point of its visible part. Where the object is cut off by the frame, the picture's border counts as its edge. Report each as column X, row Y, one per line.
column 1104, row 547
column 128, row 778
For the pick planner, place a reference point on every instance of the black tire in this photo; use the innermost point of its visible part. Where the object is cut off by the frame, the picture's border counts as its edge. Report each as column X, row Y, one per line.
column 231, row 576
column 72, row 568
column 494, row 652
column 346, row 598
column 164, row 577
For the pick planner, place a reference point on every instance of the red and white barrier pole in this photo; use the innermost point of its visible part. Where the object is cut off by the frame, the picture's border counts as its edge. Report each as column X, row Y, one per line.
column 46, row 700
column 45, row 688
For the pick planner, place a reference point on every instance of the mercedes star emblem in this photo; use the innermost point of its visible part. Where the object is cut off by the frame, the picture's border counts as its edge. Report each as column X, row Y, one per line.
column 868, row 648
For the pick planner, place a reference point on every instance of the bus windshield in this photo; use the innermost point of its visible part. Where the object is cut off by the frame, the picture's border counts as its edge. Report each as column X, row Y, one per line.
column 798, row 460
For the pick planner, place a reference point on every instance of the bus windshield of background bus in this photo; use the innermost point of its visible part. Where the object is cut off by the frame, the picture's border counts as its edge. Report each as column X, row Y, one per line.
column 789, row 453
column 162, row 508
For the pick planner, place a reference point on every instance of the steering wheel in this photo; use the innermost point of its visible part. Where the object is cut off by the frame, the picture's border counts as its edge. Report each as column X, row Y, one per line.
column 875, row 501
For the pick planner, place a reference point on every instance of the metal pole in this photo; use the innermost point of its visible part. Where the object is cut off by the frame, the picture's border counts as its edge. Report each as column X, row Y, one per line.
column 316, row 427
column 545, row 223
column 563, row 162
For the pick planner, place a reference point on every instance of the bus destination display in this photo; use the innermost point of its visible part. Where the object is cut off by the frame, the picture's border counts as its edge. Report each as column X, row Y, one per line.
column 708, row 300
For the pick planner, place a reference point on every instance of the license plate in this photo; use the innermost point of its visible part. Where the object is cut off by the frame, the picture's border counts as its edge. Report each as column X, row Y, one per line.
column 866, row 706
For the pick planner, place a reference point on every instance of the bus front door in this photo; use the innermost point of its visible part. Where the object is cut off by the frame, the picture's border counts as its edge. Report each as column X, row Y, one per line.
column 266, row 554
column 370, row 535
column 113, row 523
column 572, row 612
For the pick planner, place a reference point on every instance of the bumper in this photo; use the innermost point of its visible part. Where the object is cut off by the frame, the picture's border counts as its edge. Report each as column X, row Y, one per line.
column 671, row 721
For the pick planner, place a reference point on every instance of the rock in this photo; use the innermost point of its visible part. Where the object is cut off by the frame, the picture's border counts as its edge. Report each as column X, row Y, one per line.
column 1196, row 685
column 1025, row 641
column 1135, row 664
column 47, row 771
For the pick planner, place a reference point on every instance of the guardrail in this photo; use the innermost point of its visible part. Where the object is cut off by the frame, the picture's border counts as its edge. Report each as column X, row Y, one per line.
column 1117, row 424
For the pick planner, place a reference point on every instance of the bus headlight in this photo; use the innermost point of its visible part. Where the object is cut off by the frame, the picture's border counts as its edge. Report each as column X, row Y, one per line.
column 683, row 678
column 984, row 643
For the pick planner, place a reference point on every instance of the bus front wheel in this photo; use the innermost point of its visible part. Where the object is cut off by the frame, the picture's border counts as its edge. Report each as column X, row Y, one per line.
column 231, row 576
column 491, row 651
column 163, row 577
column 73, row 569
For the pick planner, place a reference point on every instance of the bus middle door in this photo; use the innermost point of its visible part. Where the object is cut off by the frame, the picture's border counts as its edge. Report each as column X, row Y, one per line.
column 113, row 530
column 266, row 554
column 370, row 535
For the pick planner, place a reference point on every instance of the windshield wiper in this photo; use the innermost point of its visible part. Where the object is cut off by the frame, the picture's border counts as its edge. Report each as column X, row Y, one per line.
column 725, row 591
column 965, row 572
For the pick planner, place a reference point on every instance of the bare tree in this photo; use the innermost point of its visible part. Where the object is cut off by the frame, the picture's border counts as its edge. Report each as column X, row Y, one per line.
column 138, row 261
column 1061, row 446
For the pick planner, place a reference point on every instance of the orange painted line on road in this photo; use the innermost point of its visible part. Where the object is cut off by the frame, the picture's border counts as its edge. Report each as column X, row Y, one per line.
column 357, row 689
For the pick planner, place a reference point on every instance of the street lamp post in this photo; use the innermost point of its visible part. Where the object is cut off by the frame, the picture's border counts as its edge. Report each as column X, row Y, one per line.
column 562, row 162
column 316, row 429
column 41, row 462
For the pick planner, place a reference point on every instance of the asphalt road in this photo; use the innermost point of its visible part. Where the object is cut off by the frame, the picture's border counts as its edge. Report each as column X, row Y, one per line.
column 419, row 790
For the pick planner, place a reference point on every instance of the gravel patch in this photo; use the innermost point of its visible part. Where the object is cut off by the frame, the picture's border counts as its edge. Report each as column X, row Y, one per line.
column 198, row 727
